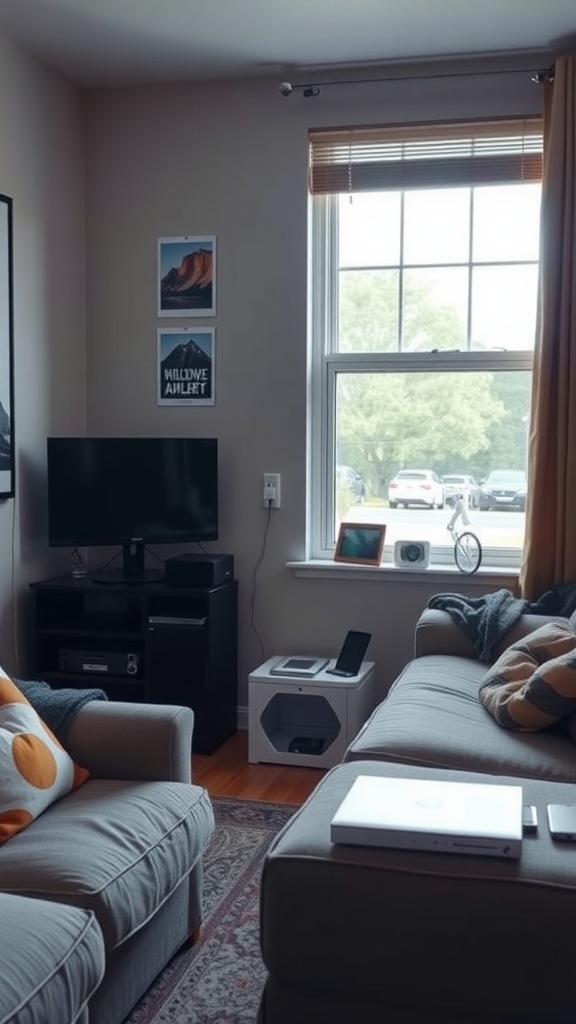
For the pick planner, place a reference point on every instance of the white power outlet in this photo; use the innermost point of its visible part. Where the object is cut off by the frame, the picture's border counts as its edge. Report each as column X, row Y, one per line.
column 271, row 490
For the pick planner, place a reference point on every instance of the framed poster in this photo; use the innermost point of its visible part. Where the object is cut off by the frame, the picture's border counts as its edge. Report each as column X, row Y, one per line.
column 186, row 366
column 7, row 459
column 187, row 276
column 360, row 542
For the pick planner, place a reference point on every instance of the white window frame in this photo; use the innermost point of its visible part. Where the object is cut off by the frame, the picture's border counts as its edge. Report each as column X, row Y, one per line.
column 325, row 362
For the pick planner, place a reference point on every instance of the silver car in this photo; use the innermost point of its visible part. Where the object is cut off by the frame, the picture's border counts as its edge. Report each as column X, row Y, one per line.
column 461, row 484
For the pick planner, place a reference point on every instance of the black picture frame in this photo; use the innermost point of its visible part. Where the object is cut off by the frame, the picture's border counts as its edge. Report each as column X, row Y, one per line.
column 7, row 457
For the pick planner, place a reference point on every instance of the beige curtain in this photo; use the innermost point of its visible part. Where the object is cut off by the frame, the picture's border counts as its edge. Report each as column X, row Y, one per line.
column 550, row 549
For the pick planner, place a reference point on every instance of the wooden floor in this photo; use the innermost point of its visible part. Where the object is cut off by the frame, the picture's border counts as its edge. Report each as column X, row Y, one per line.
column 227, row 772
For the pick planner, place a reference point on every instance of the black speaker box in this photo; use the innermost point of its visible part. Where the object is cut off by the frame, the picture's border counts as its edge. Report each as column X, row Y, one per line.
column 199, row 570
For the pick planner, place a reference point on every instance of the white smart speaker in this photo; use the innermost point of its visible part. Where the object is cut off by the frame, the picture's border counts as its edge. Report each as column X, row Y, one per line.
column 412, row 554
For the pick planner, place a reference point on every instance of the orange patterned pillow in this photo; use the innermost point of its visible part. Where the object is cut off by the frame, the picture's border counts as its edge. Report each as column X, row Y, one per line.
column 35, row 770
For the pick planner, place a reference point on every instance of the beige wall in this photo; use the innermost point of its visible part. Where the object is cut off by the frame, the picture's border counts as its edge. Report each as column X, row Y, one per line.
column 42, row 169
column 223, row 158
column 230, row 159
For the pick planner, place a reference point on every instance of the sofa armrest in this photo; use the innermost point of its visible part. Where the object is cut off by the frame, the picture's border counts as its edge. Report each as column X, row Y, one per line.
column 121, row 740
column 437, row 633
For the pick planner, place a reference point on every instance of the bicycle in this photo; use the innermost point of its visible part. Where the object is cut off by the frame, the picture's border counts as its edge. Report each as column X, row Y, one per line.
column 467, row 547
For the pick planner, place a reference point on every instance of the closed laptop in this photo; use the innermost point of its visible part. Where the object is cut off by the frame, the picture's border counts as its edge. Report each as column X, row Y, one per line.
column 432, row 815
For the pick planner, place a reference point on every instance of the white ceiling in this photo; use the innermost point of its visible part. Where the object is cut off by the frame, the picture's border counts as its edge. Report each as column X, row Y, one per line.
column 122, row 42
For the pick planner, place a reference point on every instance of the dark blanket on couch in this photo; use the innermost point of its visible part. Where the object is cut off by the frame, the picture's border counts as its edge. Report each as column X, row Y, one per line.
column 487, row 619
column 57, row 708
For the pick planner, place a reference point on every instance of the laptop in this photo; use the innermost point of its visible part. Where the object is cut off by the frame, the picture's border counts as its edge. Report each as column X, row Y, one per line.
column 436, row 816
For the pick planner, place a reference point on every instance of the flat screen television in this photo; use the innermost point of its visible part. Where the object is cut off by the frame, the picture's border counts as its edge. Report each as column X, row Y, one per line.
column 131, row 491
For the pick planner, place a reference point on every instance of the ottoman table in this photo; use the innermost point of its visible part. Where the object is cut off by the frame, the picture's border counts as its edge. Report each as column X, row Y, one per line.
column 383, row 936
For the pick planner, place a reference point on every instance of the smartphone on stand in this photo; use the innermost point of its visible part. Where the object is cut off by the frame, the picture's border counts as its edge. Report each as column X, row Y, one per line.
column 353, row 650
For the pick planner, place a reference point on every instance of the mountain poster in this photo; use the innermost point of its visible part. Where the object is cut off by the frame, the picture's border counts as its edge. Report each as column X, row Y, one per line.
column 186, row 366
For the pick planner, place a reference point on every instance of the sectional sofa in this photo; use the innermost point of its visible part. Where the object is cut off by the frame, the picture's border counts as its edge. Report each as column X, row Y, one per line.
column 408, row 937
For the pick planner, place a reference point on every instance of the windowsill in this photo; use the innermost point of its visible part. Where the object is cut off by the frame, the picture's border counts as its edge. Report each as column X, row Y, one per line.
column 324, row 568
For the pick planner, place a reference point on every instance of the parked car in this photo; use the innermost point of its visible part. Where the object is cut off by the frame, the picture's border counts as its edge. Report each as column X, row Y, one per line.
column 461, row 483
column 504, row 488
column 349, row 478
column 416, row 487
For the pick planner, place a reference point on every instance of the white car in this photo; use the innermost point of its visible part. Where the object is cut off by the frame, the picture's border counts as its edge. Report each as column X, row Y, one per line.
column 416, row 487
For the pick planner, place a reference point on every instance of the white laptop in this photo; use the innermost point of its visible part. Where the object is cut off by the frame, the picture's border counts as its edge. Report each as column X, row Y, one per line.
column 425, row 814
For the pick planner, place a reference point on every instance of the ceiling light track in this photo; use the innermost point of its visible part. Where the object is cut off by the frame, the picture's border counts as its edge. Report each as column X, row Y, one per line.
column 312, row 89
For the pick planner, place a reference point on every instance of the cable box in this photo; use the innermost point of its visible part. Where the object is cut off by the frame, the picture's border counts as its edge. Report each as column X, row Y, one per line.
column 199, row 570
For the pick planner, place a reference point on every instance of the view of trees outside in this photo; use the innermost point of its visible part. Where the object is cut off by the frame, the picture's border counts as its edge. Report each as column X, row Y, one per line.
column 451, row 422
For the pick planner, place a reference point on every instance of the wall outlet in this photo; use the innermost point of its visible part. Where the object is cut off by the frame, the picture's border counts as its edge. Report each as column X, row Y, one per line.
column 271, row 490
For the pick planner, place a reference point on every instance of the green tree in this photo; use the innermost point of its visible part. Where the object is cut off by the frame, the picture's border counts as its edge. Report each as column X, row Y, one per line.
column 399, row 419
column 395, row 420
column 369, row 314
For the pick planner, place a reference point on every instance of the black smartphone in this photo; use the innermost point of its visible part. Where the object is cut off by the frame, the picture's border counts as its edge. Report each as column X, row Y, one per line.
column 353, row 651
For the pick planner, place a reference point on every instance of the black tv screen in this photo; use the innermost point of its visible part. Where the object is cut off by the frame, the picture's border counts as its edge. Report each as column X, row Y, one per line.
column 131, row 491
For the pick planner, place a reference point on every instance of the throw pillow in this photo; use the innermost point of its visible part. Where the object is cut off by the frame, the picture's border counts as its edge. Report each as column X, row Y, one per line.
column 533, row 683
column 35, row 770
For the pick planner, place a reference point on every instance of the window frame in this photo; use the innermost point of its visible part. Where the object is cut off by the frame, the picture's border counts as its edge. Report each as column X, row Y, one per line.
column 325, row 363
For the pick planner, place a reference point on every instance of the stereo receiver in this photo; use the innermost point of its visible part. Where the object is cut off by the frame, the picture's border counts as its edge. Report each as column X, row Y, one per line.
column 113, row 663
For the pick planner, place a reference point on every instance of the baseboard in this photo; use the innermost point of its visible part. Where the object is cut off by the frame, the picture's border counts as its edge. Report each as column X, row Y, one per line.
column 242, row 719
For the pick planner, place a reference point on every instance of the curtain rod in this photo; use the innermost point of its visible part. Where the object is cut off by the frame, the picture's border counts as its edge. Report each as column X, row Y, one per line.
column 312, row 89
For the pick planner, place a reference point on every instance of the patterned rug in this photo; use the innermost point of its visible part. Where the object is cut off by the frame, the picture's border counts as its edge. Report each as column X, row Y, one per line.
column 220, row 980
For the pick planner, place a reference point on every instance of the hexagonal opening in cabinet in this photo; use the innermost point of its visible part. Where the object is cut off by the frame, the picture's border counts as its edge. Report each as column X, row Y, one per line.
column 300, row 723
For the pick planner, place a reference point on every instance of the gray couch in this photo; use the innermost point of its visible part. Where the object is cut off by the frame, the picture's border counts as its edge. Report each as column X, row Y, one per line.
column 432, row 715
column 404, row 937
column 100, row 891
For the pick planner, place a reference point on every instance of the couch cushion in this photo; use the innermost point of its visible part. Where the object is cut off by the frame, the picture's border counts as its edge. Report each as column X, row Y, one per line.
column 119, row 848
column 533, row 683
column 35, row 770
column 432, row 716
column 51, row 960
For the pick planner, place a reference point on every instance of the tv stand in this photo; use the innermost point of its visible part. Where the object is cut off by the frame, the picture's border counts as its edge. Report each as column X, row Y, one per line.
column 151, row 643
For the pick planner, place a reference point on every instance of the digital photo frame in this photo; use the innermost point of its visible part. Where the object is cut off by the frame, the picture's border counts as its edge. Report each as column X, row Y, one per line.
column 360, row 542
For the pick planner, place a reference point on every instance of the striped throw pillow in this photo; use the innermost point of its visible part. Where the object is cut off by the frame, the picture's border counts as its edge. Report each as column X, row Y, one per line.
column 533, row 683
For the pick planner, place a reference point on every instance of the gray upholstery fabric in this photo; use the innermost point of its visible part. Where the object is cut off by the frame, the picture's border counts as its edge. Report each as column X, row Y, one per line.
column 433, row 716
column 353, row 933
column 51, row 961
column 129, row 849
column 117, row 848
column 120, row 740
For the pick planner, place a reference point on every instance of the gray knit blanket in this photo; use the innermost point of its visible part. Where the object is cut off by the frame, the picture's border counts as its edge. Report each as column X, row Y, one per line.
column 57, row 708
column 487, row 619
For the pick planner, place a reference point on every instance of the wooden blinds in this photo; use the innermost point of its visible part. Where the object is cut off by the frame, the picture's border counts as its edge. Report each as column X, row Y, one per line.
column 425, row 156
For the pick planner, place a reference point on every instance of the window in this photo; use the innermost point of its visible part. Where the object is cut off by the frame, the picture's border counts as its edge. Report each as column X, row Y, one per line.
column 425, row 244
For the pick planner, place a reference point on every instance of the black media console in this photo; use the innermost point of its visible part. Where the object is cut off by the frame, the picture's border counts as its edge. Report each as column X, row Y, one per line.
column 148, row 642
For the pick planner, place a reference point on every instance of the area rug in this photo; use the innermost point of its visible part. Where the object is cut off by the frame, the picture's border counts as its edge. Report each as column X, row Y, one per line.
column 220, row 980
